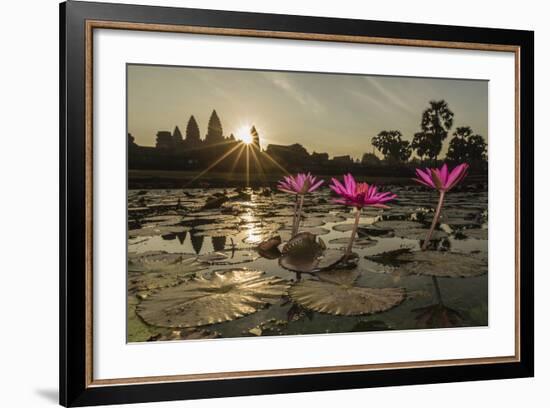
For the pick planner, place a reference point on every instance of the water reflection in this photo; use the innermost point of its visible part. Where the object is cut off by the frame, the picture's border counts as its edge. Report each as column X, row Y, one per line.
column 250, row 218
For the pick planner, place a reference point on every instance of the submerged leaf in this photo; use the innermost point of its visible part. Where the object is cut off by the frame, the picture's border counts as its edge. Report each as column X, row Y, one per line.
column 443, row 264
column 198, row 302
column 335, row 293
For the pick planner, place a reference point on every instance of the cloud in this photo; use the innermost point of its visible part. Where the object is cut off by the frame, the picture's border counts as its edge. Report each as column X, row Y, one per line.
column 282, row 82
column 389, row 95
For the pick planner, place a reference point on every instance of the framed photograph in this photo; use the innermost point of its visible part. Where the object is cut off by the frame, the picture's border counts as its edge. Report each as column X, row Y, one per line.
column 256, row 203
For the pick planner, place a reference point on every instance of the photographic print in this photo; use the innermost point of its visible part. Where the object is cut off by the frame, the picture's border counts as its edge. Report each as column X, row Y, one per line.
column 266, row 203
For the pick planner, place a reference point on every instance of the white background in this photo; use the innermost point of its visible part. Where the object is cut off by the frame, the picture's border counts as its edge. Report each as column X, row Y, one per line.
column 113, row 358
column 28, row 203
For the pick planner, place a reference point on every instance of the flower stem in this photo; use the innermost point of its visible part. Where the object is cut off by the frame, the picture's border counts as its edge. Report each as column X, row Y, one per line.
column 294, row 216
column 434, row 221
column 437, row 290
column 298, row 216
column 353, row 232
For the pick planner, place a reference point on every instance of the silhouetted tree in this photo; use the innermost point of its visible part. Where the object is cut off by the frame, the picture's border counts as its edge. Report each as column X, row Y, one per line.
column 192, row 133
column 164, row 140
column 465, row 146
column 390, row 144
column 436, row 122
column 421, row 143
column 370, row 159
column 215, row 131
column 131, row 141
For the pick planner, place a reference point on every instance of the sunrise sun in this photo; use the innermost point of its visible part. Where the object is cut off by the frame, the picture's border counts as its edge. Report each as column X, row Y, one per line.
column 244, row 135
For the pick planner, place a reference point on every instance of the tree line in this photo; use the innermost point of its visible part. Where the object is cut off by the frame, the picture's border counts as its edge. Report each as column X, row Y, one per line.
column 437, row 120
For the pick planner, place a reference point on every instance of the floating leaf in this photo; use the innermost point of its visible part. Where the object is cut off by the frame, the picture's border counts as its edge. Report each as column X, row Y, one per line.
column 162, row 220
column 395, row 224
column 215, row 226
column 285, row 234
column 136, row 329
column 419, row 234
column 216, row 233
column 443, row 264
column 310, row 263
column 363, row 229
column 152, row 231
column 335, row 293
column 215, row 202
column 191, row 333
column 476, row 233
column 152, row 271
column 326, row 217
column 304, row 243
column 270, row 243
column 362, row 242
column 348, row 227
column 198, row 302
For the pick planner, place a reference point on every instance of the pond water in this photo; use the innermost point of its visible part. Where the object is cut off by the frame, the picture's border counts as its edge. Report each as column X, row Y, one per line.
column 194, row 270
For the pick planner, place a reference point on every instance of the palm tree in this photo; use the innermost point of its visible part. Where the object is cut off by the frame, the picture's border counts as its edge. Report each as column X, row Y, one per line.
column 465, row 146
column 436, row 122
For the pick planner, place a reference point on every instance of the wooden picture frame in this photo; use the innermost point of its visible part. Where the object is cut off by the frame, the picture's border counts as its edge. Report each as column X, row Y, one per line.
column 78, row 20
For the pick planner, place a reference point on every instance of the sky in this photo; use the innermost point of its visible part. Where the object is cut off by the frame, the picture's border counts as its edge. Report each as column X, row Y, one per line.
column 334, row 113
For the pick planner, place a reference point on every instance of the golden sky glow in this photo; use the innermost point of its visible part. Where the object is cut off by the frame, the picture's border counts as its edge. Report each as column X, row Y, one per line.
column 334, row 113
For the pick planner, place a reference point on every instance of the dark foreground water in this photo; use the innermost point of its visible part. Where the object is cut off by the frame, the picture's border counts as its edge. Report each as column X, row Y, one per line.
column 190, row 267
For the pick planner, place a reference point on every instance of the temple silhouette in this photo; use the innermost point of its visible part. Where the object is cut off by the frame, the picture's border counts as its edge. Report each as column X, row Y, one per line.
column 218, row 153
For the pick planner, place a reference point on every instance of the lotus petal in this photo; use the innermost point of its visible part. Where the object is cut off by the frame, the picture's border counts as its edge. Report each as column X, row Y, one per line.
column 225, row 296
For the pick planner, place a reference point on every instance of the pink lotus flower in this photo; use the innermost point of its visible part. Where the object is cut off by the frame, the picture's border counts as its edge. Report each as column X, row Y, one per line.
column 300, row 184
column 442, row 179
column 360, row 195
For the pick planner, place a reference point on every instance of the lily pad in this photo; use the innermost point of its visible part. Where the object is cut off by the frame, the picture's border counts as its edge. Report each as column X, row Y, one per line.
column 224, row 297
column 348, row 227
column 477, row 233
column 304, row 243
column 216, row 233
column 154, row 271
column 191, row 333
column 419, row 234
column 152, row 231
column 335, row 293
column 310, row 263
column 215, row 226
column 443, row 264
column 358, row 242
column 395, row 224
column 285, row 233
